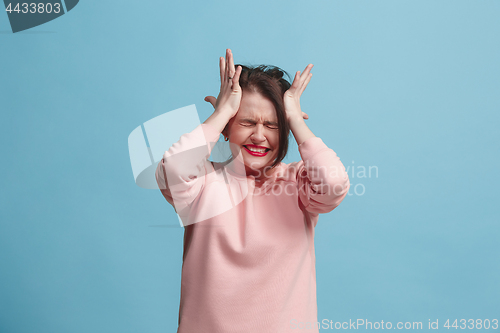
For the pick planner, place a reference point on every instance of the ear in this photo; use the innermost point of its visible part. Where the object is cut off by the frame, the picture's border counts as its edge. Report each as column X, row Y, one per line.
column 225, row 130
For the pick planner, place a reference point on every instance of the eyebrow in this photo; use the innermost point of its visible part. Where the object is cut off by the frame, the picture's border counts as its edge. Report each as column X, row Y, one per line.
column 267, row 122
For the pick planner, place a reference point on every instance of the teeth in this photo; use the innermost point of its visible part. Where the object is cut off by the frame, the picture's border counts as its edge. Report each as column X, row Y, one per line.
column 257, row 150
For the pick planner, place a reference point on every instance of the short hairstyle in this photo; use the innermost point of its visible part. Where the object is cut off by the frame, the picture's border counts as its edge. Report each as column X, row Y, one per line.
column 268, row 81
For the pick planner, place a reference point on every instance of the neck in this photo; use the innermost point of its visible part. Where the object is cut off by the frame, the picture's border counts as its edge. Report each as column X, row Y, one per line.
column 260, row 175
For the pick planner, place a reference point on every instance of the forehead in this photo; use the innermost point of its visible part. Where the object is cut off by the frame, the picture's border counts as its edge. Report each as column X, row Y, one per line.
column 255, row 106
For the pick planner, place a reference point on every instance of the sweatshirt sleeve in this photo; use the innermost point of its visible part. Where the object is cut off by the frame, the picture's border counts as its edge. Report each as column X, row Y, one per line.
column 321, row 177
column 181, row 172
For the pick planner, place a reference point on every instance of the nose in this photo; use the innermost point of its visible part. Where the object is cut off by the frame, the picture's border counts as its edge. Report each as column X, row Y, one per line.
column 258, row 133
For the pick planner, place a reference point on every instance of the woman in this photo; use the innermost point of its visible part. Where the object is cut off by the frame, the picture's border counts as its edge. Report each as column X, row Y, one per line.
column 249, row 261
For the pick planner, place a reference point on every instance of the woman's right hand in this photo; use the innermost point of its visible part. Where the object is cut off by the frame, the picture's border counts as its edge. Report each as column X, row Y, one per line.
column 229, row 97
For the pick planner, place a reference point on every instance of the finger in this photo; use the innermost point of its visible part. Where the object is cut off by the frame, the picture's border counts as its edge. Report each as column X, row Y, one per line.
column 228, row 61
column 211, row 99
column 304, row 85
column 231, row 64
column 222, row 66
column 305, row 73
column 296, row 81
column 304, row 115
column 236, row 78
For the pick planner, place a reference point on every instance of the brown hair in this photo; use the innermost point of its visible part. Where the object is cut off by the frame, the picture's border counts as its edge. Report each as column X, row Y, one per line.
column 268, row 81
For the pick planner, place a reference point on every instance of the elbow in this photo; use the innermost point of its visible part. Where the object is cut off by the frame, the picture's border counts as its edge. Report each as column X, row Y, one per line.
column 171, row 166
column 340, row 189
column 168, row 171
column 180, row 168
column 161, row 176
column 338, row 185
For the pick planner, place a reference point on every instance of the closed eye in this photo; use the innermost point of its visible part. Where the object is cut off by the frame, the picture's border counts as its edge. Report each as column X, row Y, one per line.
column 249, row 123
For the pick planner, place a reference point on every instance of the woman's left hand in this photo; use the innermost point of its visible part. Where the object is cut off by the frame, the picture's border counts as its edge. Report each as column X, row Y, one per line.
column 292, row 95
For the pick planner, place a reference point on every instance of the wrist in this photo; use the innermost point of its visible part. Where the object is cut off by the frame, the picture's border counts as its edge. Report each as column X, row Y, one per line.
column 219, row 119
column 295, row 120
column 300, row 130
column 224, row 112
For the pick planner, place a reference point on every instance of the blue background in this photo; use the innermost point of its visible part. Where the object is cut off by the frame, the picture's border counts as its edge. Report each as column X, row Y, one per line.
column 410, row 87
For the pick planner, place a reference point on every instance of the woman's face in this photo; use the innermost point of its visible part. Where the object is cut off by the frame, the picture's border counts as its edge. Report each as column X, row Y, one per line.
column 255, row 127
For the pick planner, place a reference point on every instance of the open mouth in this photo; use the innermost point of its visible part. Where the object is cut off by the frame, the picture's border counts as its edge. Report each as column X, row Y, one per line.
column 257, row 151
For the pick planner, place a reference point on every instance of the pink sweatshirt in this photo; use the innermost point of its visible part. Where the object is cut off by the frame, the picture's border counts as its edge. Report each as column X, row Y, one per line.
column 249, row 261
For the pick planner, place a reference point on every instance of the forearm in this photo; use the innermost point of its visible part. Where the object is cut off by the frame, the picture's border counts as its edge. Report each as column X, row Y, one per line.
column 300, row 130
column 218, row 120
column 184, row 161
column 180, row 173
column 325, row 182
